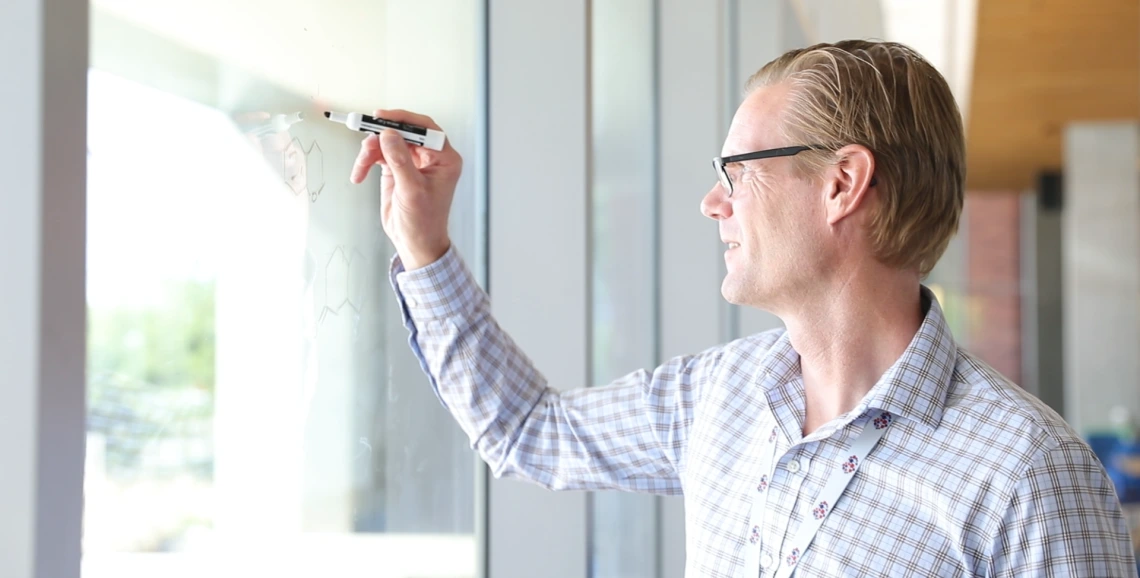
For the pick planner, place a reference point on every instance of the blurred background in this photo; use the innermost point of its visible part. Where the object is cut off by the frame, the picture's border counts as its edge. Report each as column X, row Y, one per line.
column 252, row 407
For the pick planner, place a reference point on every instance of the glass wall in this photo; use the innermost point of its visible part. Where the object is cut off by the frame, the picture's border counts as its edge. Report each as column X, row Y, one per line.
column 254, row 409
column 623, row 217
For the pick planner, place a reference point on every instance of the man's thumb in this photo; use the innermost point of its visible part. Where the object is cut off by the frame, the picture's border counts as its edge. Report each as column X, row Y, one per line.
column 398, row 158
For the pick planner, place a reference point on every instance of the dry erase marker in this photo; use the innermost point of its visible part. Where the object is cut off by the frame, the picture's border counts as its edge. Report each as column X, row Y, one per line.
column 417, row 135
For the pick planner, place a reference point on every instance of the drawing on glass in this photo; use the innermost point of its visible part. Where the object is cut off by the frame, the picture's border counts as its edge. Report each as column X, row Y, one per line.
column 304, row 168
column 344, row 284
column 301, row 168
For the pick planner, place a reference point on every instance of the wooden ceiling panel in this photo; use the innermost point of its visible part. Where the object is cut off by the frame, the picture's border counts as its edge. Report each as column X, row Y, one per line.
column 1039, row 64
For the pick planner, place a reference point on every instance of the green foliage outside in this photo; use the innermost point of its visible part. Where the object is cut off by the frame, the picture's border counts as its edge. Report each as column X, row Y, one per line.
column 151, row 383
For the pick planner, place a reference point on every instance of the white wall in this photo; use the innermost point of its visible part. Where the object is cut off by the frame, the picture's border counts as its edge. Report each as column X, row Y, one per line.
column 1100, row 228
column 538, row 233
column 19, row 295
column 41, row 299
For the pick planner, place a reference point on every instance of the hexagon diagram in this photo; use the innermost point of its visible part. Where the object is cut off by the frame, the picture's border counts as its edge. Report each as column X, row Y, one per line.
column 304, row 169
column 315, row 164
column 357, row 281
column 293, row 167
column 345, row 283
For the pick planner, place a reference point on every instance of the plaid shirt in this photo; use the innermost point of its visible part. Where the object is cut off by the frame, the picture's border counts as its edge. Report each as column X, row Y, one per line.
column 975, row 477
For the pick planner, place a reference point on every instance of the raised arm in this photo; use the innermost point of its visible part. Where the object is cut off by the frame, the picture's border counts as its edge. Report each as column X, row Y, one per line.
column 630, row 435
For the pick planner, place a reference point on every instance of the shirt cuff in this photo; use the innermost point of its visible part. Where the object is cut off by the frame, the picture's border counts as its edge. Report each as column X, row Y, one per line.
column 443, row 289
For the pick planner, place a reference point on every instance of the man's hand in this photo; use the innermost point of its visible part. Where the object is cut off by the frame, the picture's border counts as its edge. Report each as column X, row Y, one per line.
column 417, row 186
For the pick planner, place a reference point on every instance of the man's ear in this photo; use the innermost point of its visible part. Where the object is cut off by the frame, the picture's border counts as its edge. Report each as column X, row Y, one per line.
column 852, row 178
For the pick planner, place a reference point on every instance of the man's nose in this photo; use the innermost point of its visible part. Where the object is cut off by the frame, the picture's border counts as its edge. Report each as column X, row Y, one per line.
column 716, row 205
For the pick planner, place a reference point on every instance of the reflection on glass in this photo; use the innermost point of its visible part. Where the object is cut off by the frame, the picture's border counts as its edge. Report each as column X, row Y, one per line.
column 253, row 407
column 623, row 531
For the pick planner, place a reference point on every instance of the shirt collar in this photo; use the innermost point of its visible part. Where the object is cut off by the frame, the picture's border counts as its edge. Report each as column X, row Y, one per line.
column 915, row 387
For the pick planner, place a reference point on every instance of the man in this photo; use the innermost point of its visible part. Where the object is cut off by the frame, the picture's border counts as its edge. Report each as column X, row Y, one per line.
column 858, row 441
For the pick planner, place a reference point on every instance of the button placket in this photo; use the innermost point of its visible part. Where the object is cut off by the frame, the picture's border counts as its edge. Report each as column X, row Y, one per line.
column 791, row 487
column 839, row 469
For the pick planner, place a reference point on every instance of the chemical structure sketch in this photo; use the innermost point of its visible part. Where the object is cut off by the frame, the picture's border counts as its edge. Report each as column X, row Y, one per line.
column 293, row 167
column 345, row 281
column 315, row 163
column 304, row 168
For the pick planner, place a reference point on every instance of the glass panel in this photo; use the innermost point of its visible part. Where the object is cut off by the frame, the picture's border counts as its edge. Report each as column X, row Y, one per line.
column 623, row 530
column 254, row 409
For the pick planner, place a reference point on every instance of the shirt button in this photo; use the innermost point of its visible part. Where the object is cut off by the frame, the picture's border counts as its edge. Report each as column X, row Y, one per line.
column 794, row 466
column 766, row 561
column 412, row 302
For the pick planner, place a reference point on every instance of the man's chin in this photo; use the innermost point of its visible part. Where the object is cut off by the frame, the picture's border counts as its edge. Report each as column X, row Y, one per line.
column 741, row 293
column 733, row 293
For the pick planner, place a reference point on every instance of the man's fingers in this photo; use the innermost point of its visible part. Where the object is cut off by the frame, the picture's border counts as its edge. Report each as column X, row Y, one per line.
column 399, row 159
column 370, row 154
column 394, row 153
column 399, row 115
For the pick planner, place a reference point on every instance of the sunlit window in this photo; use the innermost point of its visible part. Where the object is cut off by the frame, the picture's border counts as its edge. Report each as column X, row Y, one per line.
column 254, row 409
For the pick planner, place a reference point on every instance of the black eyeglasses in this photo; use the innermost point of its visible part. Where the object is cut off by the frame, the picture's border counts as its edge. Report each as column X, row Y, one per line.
column 726, row 182
column 720, row 162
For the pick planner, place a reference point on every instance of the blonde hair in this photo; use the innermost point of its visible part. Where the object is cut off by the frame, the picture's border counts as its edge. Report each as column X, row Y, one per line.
column 886, row 97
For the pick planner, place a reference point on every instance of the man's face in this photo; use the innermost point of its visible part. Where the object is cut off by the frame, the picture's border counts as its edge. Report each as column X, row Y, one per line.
column 774, row 224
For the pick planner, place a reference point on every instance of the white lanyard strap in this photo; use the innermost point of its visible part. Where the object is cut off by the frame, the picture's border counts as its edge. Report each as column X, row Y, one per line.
column 840, row 475
column 837, row 481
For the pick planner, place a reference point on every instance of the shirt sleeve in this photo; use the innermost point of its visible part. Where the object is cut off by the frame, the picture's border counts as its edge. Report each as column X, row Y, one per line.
column 629, row 435
column 1064, row 519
